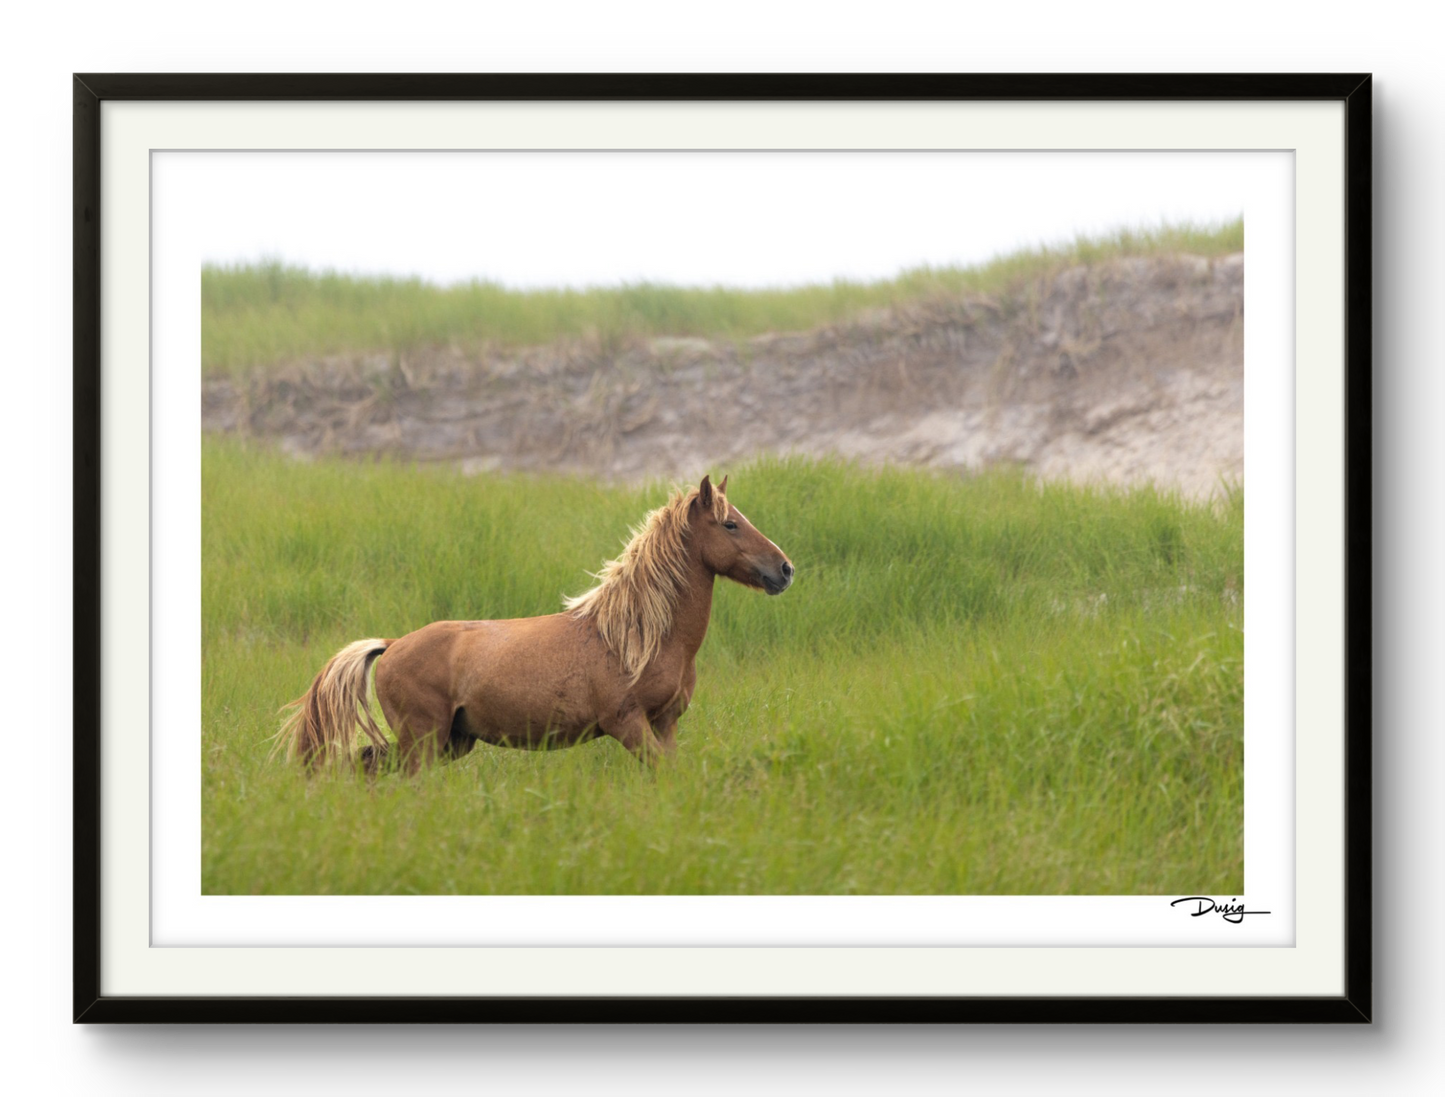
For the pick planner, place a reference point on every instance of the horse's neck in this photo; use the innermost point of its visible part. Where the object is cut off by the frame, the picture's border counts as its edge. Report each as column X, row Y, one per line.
column 694, row 608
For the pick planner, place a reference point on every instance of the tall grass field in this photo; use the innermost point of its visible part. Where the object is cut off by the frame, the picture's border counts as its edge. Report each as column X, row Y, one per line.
column 975, row 686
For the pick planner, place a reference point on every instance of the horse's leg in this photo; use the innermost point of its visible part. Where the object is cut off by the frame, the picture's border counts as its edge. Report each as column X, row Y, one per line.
column 423, row 728
column 666, row 723
column 415, row 745
column 375, row 759
column 634, row 732
column 666, row 731
column 442, row 741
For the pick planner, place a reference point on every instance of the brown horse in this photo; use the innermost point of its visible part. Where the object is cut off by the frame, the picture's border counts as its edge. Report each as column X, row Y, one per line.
column 618, row 661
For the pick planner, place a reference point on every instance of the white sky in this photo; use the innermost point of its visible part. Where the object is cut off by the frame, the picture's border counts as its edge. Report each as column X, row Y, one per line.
column 602, row 218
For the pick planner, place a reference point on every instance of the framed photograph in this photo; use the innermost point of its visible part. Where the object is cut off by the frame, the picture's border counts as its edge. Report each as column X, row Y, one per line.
column 733, row 548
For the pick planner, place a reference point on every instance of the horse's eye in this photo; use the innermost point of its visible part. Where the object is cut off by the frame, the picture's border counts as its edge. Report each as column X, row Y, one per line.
column 730, row 525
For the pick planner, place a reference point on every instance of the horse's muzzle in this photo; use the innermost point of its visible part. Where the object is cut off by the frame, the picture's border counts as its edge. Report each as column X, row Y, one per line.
column 779, row 581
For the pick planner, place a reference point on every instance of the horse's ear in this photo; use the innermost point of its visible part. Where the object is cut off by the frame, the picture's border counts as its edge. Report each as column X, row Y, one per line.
column 723, row 487
column 704, row 493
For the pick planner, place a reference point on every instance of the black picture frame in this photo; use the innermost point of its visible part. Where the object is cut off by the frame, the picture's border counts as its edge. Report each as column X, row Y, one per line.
column 91, row 90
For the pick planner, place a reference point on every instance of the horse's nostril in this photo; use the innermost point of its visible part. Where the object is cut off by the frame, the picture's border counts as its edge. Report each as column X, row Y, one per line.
column 787, row 570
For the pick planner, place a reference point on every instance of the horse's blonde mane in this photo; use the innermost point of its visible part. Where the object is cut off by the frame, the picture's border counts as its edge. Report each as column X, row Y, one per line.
column 636, row 595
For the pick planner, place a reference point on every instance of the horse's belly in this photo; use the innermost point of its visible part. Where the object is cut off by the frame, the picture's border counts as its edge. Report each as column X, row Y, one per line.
column 508, row 717
column 523, row 682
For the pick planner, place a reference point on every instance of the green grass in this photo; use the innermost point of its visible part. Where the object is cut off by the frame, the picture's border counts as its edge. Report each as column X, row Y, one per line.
column 975, row 686
column 258, row 316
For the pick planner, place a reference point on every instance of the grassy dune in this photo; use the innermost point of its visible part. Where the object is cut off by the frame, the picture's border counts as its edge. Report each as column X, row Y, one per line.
column 975, row 686
column 256, row 316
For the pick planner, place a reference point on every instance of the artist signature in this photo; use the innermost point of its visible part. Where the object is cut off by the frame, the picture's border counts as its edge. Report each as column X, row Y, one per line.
column 1232, row 911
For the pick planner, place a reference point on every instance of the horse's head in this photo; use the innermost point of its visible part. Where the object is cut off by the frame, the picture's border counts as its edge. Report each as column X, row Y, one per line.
column 732, row 546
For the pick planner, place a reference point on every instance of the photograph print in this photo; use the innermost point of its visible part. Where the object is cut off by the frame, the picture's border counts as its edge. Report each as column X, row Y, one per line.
column 725, row 524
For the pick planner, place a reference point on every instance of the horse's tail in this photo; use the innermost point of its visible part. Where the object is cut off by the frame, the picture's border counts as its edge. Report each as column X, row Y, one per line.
column 324, row 722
